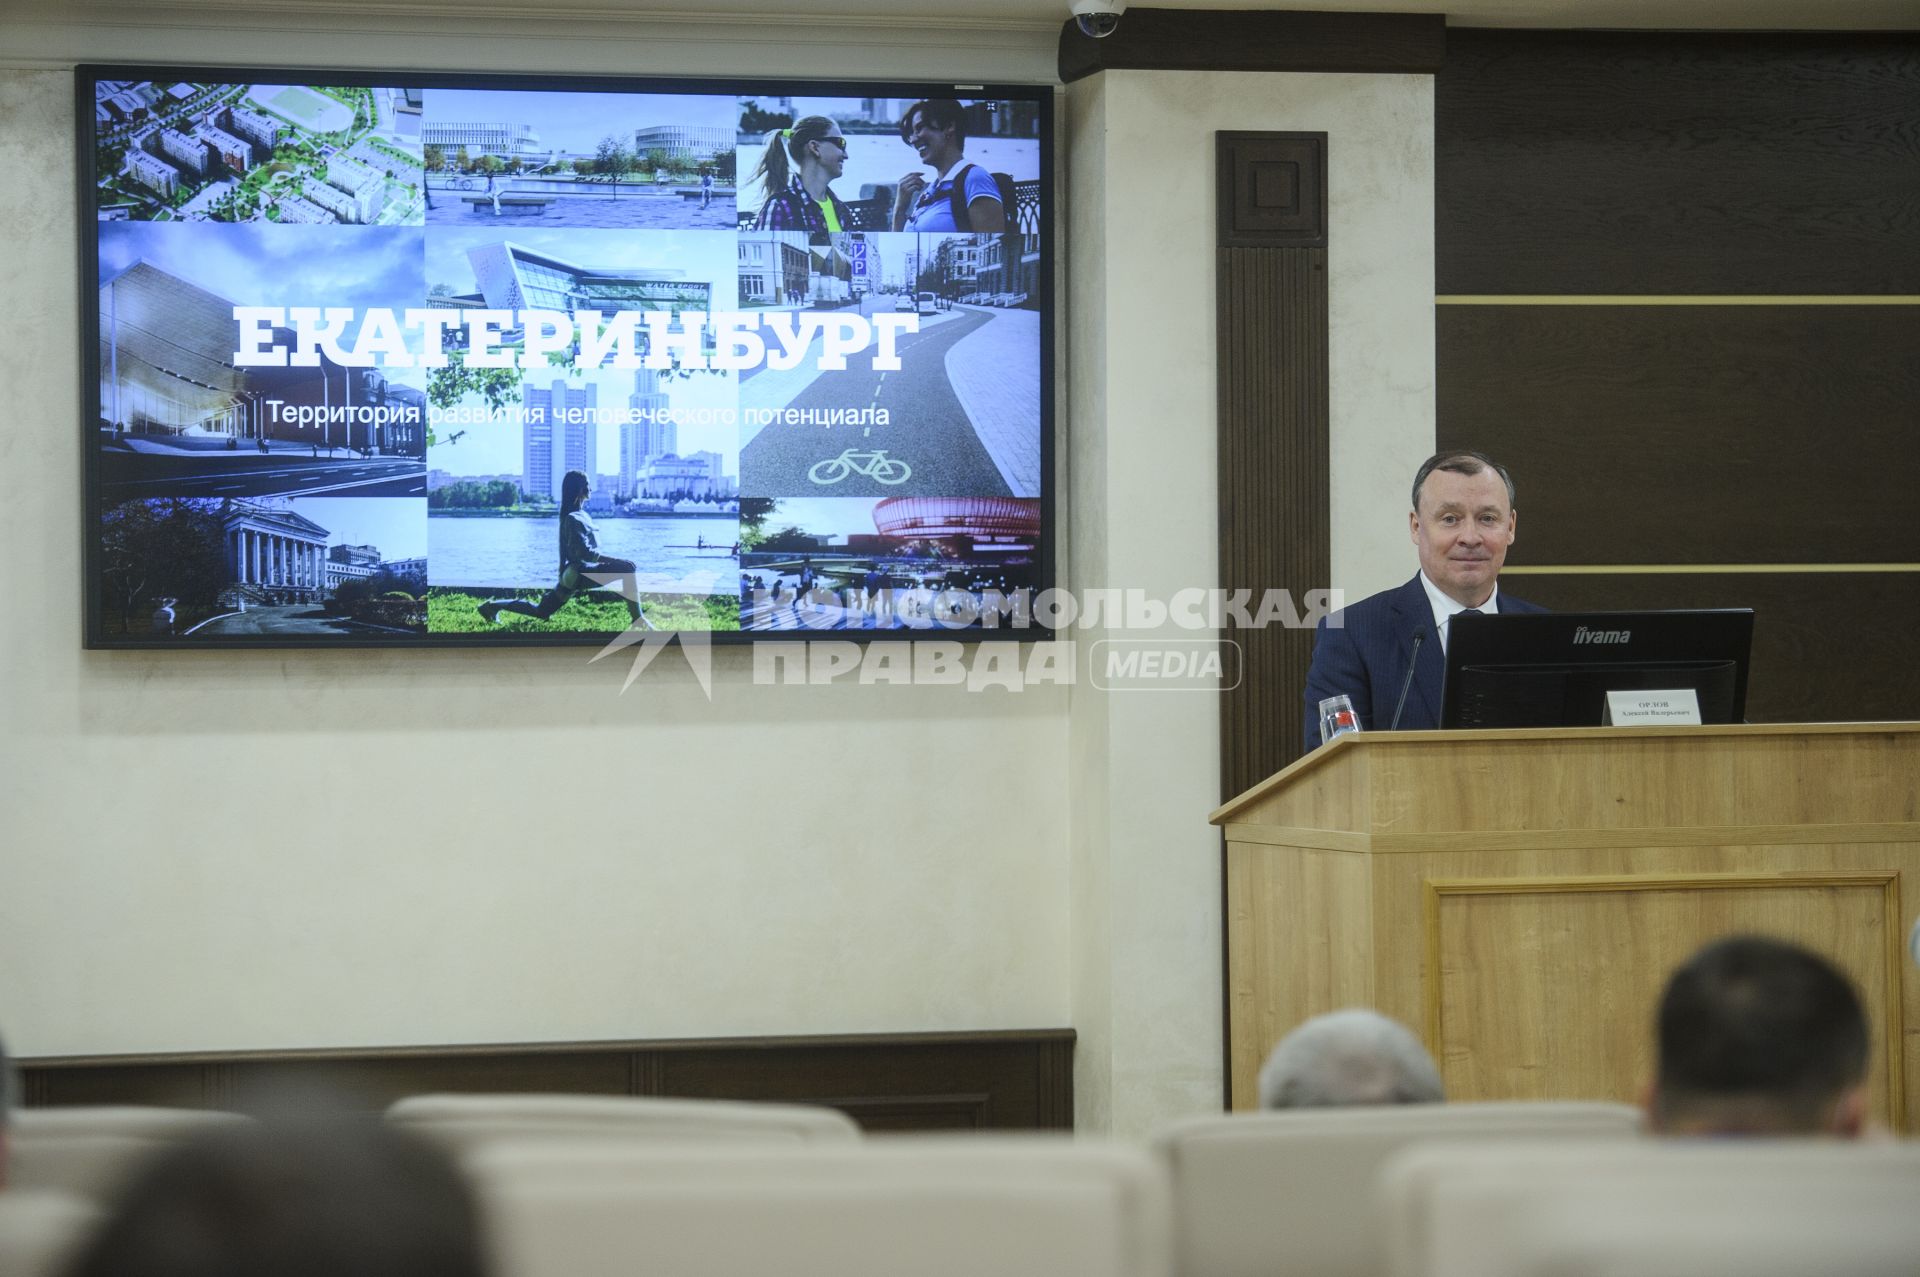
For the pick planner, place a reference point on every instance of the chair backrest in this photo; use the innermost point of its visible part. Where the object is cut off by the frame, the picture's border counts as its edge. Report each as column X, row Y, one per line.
column 40, row 1230
column 1681, row 1206
column 1282, row 1193
column 88, row 1166
column 130, row 1120
column 90, row 1150
column 1868, row 1230
column 465, row 1122
column 933, row 1208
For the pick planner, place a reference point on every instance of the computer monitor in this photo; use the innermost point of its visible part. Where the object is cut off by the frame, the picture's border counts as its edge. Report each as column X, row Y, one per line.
column 1554, row 669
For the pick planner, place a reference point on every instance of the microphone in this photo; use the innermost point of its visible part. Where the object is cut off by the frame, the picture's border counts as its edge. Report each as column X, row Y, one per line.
column 1413, row 662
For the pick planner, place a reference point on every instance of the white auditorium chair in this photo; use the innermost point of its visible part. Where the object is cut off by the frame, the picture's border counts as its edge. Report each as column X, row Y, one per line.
column 1740, row 1207
column 90, row 1150
column 89, row 1166
column 929, row 1207
column 136, row 1121
column 465, row 1122
column 1275, row 1194
column 40, row 1230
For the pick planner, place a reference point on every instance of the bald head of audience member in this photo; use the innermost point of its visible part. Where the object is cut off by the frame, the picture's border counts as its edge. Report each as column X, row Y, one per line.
column 1349, row 1057
column 304, row 1199
column 1759, row 1037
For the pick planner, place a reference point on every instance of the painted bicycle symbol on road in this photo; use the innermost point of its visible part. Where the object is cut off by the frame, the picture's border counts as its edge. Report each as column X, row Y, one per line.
column 875, row 465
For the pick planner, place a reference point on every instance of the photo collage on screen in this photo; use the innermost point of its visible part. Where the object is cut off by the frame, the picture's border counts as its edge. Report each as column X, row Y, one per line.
column 394, row 361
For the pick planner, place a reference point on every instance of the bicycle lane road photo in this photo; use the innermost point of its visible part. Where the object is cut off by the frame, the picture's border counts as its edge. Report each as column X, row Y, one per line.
column 929, row 431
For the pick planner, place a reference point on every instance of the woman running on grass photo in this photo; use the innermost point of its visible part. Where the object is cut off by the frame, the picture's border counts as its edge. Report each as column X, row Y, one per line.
column 580, row 563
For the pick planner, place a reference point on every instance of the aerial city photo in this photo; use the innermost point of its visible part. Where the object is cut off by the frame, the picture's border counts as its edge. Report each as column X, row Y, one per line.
column 258, row 152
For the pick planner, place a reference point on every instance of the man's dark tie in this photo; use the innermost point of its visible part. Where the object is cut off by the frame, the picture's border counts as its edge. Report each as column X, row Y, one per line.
column 1469, row 611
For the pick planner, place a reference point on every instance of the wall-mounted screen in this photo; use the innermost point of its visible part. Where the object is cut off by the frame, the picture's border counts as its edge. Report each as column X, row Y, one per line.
column 440, row 359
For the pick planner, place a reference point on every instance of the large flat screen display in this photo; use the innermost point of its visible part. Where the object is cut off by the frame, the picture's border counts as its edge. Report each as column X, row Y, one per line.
column 437, row 359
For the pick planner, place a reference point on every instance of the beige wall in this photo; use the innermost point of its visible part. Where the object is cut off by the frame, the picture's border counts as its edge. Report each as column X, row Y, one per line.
column 302, row 849
column 309, row 849
column 1145, row 767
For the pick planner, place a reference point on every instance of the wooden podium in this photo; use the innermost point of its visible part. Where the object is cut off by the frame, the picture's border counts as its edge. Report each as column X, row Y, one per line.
column 1519, row 897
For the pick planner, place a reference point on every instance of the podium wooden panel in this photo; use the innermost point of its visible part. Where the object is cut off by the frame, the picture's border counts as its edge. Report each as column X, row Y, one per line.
column 1519, row 897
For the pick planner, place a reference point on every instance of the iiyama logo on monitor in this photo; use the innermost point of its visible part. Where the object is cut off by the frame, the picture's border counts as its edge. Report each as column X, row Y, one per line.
column 1585, row 635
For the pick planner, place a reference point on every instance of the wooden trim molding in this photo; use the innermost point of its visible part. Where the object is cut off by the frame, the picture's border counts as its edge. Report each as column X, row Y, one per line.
column 1002, row 1080
column 1257, row 40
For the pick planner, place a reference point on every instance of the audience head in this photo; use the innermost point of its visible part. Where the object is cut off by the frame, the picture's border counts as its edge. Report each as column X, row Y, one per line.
column 1759, row 1037
column 1354, row 1056
column 303, row 1199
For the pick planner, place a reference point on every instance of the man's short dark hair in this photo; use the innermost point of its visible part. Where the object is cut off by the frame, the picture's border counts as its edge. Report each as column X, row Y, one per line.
column 1759, row 1021
column 1460, row 461
column 307, row 1199
column 939, row 113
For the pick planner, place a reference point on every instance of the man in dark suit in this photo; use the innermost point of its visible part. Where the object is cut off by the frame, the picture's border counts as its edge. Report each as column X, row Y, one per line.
column 1462, row 522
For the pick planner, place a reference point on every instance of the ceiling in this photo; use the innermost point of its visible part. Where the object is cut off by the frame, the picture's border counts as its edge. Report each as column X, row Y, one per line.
column 1049, row 14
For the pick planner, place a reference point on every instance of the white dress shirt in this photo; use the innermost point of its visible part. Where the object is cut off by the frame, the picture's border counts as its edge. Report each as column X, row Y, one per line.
column 1446, row 607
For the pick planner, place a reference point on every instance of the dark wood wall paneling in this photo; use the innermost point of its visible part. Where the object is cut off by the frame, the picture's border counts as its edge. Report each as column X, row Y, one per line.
column 1805, row 628
column 1271, row 332
column 1256, row 40
column 1659, row 162
column 1270, row 326
column 1663, row 164
column 896, row 1082
column 1702, row 434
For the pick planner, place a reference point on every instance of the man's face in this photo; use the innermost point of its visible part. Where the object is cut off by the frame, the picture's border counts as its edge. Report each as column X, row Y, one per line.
column 1462, row 530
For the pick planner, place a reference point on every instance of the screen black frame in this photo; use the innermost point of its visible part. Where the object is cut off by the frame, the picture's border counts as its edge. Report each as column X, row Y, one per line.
column 87, row 76
column 1543, row 642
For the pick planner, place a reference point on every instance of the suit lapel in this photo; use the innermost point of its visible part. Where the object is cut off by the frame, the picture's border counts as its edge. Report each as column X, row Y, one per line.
column 1432, row 672
column 1413, row 614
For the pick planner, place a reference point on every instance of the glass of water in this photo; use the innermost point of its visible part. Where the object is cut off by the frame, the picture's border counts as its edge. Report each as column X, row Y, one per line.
column 1337, row 718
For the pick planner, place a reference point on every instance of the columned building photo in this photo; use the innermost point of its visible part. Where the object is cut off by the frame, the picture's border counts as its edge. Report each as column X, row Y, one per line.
column 275, row 555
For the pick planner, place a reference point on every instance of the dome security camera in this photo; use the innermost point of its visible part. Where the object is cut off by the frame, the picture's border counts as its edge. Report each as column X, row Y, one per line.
column 1098, row 18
